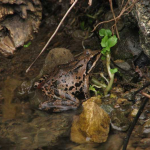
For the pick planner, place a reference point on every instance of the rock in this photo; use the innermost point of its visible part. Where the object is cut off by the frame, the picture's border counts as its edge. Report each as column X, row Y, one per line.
column 145, row 142
column 54, row 58
column 121, row 101
column 91, row 126
column 24, row 19
column 140, row 17
column 44, row 131
column 128, row 46
column 119, row 120
column 79, row 35
column 124, row 65
column 141, row 13
column 134, row 112
column 108, row 108
column 146, row 127
column 142, row 116
column 124, row 104
column 141, row 61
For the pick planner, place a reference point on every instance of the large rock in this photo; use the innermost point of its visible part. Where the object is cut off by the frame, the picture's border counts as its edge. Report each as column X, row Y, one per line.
column 55, row 57
column 140, row 17
column 19, row 19
column 92, row 125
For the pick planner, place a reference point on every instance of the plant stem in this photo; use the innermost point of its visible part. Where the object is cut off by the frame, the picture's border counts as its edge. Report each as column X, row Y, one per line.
column 111, row 75
column 97, row 83
column 108, row 64
column 109, row 85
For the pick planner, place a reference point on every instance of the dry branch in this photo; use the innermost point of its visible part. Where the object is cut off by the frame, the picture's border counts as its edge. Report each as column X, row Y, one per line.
column 124, row 9
column 53, row 34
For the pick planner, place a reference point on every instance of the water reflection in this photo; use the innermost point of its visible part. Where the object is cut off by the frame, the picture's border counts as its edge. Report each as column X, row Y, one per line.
column 10, row 110
column 23, row 126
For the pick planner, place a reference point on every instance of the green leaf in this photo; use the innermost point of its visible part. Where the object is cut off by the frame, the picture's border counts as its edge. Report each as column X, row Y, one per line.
column 91, row 88
column 102, row 32
column 104, row 41
column 108, row 32
column 98, row 92
column 27, row 45
column 105, row 50
column 114, row 70
column 112, row 41
column 103, row 58
column 82, row 25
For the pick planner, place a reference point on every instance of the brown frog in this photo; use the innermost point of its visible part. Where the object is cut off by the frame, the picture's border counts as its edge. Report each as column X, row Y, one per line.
column 63, row 86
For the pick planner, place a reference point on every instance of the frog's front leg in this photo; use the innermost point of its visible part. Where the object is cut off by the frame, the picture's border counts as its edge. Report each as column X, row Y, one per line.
column 86, row 87
column 65, row 101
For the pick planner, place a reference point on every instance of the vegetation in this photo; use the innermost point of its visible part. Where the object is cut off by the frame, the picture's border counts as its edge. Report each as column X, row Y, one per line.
column 107, row 42
column 27, row 45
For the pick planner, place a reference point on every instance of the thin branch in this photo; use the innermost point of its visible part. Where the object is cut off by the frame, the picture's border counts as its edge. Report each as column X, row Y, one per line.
column 118, row 17
column 122, row 3
column 145, row 94
column 126, row 140
column 90, row 2
column 111, row 7
column 142, row 88
column 53, row 34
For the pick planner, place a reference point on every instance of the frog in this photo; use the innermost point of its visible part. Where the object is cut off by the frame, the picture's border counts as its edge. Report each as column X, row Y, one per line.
column 63, row 86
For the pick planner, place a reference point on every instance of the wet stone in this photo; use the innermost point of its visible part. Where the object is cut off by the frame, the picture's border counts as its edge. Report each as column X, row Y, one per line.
column 92, row 125
column 55, row 57
column 119, row 121
column 146, row 127
column 41, row 131
column 123, row 65
column 141, row 16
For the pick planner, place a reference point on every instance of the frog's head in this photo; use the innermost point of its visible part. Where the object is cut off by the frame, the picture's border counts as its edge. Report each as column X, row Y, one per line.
column 92, row 58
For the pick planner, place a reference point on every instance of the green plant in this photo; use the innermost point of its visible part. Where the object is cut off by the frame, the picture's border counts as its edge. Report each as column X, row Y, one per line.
column 27, row 45
column 107, row 42
column 91, row 88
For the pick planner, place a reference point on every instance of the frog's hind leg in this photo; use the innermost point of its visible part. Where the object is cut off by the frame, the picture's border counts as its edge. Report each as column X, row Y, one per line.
column 58, row 105
column 61, row 101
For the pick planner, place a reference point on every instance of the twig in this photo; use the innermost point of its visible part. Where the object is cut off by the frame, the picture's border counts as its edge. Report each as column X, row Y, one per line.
column 124, row 9
column 144, row 86
column 90, row 2
column 126, row 140
column 145, row 94
column 53, row 34
column 111, row 7
column 122, row 3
